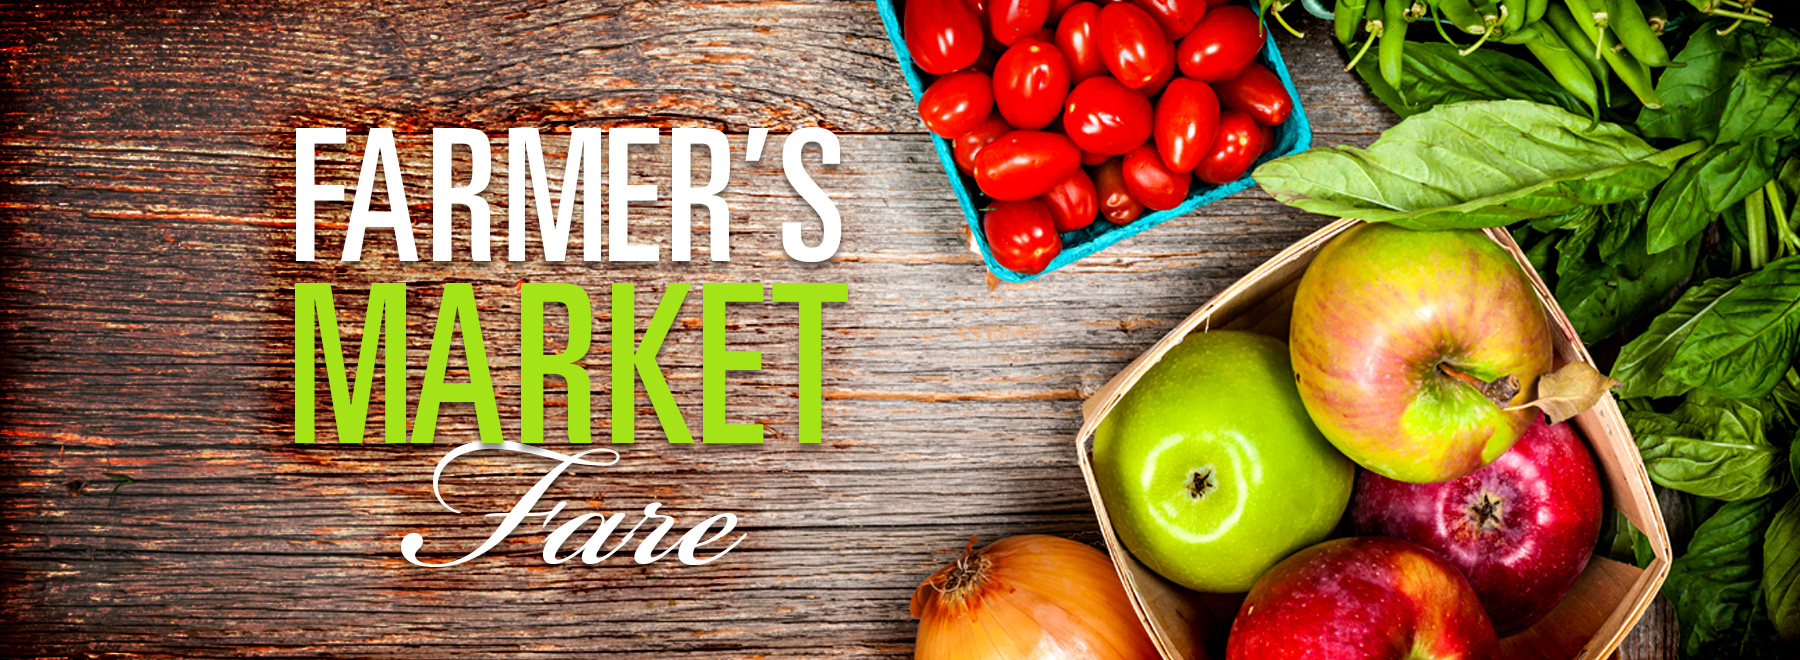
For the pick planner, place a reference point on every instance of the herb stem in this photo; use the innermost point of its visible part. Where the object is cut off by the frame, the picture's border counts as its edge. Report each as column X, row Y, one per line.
column 1778, row 207
column 1674, row 154
column 1756, row 228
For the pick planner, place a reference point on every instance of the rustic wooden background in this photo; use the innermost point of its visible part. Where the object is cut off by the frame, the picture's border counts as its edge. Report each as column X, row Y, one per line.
column 146, row 241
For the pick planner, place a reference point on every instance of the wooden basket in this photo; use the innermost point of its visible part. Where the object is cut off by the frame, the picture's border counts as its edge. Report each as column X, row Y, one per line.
column 1590, row 622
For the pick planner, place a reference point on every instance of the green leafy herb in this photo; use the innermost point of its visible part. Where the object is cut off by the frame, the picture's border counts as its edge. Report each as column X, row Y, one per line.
column 1641, row 362
column 1695, row 90
column 1726, row 463
column 1743, row 343
column 1600, row 297
column 1434, row 74
column 1765, row 93
column 1781, row 570
column 1474, row 164
column 1703, row 186
column 1714, row 587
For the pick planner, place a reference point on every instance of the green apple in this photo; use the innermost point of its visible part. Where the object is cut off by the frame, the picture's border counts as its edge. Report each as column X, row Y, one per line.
column 1210, row 468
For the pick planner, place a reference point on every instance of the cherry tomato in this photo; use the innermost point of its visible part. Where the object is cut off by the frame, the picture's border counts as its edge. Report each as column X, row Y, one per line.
column 1029, row 84
column 1116, row 202
column 1025, row 164
column 1012, row 19
column 943, row 36
column 967, row 145
column 1021, row 235
column 1060, row 7
column 1163, row 76
column 1268, row 138
column 1151, row 183
column 1175, row 17
column 1075, row 37
column 957, row 103
column 1237, row 145
column 1187, row 116
column 1103, row 117
column 1258, row 93
column 1131, row 44
column 1073, row 203
column 1225, row 40
column 1090, row 159
column 977, row 6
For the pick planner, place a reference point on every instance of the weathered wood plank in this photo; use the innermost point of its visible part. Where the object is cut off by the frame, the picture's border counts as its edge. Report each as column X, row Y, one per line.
column 144, row 233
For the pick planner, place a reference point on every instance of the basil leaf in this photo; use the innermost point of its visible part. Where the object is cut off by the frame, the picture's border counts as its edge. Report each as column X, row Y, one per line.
column 1722, row 466
column 1639, row 367
column 1434, row 74
column 1600, row 298
column 1781, row 569
column 1473, row 164
column 1742, row 345
column 1703, row 186
column 1621, row 541
column 1714, row 586
column 1619, row 223
column 1765, row 94
column 1695, row 89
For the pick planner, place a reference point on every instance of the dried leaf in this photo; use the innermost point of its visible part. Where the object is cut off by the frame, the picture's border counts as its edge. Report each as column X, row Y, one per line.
column 1569, row 391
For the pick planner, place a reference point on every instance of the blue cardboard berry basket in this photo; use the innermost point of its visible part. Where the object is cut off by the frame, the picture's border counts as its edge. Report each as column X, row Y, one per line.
column 1291, row 137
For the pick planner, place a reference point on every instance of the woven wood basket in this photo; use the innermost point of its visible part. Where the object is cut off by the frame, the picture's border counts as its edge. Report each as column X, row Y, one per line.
column 1606, row 601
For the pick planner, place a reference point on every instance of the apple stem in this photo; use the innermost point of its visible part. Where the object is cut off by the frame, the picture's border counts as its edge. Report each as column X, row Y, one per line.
column 1500, row 390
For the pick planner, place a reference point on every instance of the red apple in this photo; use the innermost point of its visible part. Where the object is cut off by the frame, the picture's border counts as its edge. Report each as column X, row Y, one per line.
column 1521, row 529
column 1365, row 598
column 1409, row 345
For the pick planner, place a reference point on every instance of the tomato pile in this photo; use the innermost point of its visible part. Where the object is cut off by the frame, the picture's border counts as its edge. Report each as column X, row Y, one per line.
column 1067, row 111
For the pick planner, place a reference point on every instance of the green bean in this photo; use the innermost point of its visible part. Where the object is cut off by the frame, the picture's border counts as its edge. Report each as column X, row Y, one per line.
column 1563, row 64
column 1629, row 25
column 1462, row 15
column 1559, row 20
column 1630, row 71
column 1534, row 11
column 1438, row 21
column 1391, row 53
column 1512, row 14
column 1489, row 11
column 1345, row 17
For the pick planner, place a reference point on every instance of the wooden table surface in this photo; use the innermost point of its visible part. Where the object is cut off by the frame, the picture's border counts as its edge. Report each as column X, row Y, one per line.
column 146, row 205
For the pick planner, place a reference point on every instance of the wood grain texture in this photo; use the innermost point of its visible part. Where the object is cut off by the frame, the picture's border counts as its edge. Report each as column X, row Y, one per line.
column 145, row 236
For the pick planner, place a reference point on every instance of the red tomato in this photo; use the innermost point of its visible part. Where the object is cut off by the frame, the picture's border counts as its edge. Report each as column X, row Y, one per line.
column 1012, row 19
column 1163, row 76
column 957, row 103
column 1131, row 44
column 1225, row 40
column 1090, row 159
column 1268, row 138
column 943, row 36
column 1029, row 84
column 1258, row 93
column 1075, row 37
column 1021, row 235
column 1103, row 117
column 1025, row 164
column 1060, row 7
column 1151, row 183
column 1237, row 145
column 1187, row 116
column 977, row 6
column 1116, row 202
column 1073, row 202
column 967, row 145
column 1175, row 17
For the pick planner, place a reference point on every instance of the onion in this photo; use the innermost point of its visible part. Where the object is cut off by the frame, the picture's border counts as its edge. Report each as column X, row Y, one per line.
column 1036, row 597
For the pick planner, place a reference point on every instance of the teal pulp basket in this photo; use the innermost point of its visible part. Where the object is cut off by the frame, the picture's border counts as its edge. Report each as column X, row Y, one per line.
column 1292, row 137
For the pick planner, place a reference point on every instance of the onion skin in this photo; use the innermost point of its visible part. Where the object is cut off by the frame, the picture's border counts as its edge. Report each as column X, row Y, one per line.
column 1028, row 597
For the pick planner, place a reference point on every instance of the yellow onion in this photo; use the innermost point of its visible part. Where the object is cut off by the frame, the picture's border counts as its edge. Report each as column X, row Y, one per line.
column 1028, row 597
